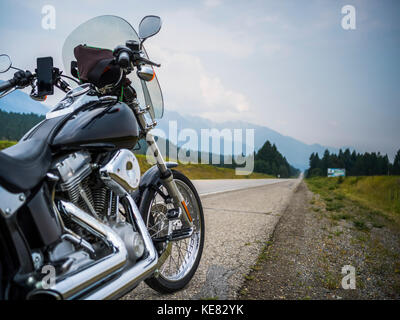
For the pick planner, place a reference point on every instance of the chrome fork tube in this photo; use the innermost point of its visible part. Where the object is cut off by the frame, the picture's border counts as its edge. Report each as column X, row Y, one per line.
column 169, row 180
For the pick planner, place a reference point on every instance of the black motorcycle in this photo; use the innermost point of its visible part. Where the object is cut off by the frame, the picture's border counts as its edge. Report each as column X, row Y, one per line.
column 77, row 219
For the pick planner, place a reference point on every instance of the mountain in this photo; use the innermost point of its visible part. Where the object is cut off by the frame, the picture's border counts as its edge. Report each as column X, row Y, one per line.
column 18, row 101
column 296, row 152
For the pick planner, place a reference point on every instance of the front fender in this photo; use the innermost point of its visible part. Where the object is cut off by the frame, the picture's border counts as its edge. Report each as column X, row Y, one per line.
column 152, row 175
column 150, row 178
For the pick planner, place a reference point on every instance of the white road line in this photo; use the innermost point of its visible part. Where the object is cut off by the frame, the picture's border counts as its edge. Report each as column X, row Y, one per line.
column 210, row 187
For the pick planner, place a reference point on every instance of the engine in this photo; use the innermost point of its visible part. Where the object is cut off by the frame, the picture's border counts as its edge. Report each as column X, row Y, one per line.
column 81, row 185
column 97, row 190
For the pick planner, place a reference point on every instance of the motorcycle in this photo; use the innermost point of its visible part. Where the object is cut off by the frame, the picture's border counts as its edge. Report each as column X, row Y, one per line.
column 77, row 219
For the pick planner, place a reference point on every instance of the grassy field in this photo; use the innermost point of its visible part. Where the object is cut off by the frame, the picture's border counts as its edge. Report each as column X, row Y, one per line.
column 5, row 144
column 380, row 193
column 204, row 171
column 192, row 171
column 362, row 218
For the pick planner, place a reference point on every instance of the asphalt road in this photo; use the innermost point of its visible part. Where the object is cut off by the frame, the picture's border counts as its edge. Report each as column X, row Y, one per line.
column 211, row 186
column 237, row 223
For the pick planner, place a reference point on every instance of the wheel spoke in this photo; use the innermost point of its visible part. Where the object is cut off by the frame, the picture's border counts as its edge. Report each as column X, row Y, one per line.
column 183, row 252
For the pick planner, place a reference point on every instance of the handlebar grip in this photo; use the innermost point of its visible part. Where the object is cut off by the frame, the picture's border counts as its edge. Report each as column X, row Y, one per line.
column 123, row 59
column 7, row 85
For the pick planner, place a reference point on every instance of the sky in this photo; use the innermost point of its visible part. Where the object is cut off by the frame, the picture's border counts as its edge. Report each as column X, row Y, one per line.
column 287, row 65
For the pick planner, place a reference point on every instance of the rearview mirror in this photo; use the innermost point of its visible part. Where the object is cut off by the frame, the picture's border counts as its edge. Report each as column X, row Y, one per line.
column 149, row 26
column 5, row 63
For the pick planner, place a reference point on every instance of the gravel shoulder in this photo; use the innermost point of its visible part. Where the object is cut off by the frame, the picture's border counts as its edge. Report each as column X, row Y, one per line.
column 237, row 224
column 310, row 246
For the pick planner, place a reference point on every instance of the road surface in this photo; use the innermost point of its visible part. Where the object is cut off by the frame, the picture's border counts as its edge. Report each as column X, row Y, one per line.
column 210, row 186
column 237, row 224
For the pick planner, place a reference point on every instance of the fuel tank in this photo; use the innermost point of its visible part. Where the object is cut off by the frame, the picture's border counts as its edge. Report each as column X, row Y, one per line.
column 111, row 125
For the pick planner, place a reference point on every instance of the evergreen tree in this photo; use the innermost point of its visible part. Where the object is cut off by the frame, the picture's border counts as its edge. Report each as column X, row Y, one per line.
column 270, row 161
column 396, row 164
column 366, row 164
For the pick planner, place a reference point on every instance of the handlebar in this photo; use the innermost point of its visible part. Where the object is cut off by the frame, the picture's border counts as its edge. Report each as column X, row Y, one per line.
column 6, row 85
column 123, row 59
column 125, row 55
column 147, row 61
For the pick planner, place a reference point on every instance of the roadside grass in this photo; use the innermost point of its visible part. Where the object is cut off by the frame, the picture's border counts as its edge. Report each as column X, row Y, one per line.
column 5, row 144
column 366, row 201
column 263, row 256
column 368, row 208
column 204, row 171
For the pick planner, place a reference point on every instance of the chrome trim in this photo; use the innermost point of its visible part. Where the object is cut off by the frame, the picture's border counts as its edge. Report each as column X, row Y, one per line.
column 138, row 272
column 169, row 182
column 78, row 241
column 70, row 103
column 122, row 173
column 145, row 73
column 43, row 295
column 78, row 282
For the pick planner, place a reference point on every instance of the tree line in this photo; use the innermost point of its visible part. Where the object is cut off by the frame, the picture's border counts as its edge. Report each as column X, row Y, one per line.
column 14, row 125
column 270, row 161
column 356, row 164
column 267, row 160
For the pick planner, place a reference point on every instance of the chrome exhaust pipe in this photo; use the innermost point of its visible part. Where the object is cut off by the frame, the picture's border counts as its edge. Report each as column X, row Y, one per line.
column 138, row 272
column 47, row 295
column 80, row 283
column 76, row 283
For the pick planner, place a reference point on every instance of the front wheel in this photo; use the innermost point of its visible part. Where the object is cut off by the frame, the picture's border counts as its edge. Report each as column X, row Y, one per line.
column 179, row 259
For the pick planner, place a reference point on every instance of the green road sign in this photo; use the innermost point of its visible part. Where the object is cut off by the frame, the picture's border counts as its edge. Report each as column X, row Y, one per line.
column 333, row 172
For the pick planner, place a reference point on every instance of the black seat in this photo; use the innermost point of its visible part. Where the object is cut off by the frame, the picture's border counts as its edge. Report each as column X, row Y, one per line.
column 23, row 165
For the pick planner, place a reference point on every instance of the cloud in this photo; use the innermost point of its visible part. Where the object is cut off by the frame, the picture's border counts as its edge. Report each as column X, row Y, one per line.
column 271, row 49
column 212, row 3
column 189, row 88
column 216, row 95
column 192, row 33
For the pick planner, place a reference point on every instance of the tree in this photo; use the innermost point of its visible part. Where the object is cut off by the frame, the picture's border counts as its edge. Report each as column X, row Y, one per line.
column 325, row 162
column 396, row 164
column 366, row 164
column 315, row 163
column 270, row 161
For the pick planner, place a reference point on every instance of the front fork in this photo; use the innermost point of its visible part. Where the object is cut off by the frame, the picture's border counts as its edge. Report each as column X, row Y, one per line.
column 166, row 174
column 167, row 178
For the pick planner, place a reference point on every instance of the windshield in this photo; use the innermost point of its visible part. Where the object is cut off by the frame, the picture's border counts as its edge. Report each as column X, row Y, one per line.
column 107, row 32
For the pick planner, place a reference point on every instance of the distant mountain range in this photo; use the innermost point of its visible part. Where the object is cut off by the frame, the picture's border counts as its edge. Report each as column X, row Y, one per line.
column 19, row 101
column 296, row 152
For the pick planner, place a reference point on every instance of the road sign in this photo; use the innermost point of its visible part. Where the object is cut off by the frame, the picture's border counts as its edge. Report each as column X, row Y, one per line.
column 334, row 172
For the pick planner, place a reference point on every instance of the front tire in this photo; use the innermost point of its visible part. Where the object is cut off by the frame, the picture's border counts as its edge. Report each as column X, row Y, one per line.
column 185, row 254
